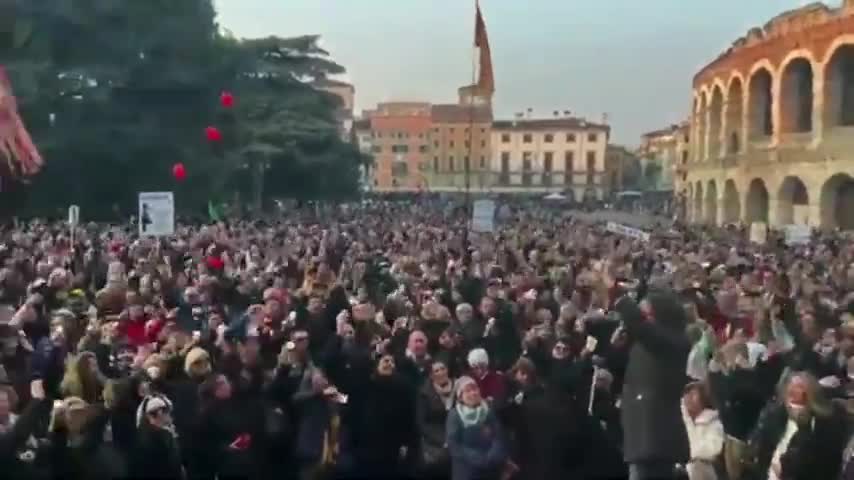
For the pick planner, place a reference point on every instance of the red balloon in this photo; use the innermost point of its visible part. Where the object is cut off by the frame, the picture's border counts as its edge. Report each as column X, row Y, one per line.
column 226, row 99
column 179, row 172
column 213, row 134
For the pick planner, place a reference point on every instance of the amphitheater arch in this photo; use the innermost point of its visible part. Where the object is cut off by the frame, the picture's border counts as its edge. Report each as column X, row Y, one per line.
column 836, row 203
column 791, row 196
column 839, row 83
column 756, row 202
column 796, row 94
column 698, row 202
column 732, row 203
column 711, row 203
column 734, row 115
column 760, row 104
column 716, row 107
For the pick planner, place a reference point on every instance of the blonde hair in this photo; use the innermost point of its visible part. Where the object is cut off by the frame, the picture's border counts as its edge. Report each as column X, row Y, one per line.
column 817, row 402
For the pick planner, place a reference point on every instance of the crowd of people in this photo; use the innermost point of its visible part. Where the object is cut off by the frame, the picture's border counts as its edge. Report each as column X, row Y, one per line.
column 386, row 340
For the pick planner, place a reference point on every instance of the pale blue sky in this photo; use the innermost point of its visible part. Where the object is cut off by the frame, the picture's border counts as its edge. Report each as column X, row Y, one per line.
column 632, row 59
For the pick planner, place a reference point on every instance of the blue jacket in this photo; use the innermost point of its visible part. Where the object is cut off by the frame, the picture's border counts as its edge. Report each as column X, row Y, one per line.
column 478, row 452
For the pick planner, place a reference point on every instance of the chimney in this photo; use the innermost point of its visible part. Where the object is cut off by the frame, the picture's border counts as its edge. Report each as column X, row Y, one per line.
column 567, row 113
column 556, row 114
column 530, row 112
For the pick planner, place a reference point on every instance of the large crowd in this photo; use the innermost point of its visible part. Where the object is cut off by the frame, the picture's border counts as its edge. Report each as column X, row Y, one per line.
column 387, row 340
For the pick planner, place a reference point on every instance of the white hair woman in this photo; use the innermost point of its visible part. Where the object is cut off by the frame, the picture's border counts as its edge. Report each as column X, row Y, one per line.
column 475, row 442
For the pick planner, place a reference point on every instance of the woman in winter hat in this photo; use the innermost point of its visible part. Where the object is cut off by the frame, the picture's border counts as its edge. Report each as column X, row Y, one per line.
column 475, row 441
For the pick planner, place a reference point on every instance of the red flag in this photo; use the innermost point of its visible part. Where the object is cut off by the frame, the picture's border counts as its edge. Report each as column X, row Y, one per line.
column 16, row 146
column 485, row 80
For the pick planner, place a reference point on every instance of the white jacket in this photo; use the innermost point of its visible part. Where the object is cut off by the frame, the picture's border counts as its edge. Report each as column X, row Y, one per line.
column 705, row 434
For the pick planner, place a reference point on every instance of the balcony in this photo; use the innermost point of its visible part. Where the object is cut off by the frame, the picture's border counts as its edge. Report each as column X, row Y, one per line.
column 513, row 180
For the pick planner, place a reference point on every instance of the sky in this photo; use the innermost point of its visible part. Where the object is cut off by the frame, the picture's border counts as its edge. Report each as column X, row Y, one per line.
column 632, row 60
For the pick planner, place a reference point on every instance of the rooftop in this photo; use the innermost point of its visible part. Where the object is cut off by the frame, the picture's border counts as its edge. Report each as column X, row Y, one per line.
column 454, row 113
column 566, row 123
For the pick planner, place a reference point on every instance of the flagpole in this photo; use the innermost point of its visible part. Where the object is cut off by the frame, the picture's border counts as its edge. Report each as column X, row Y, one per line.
column 472, row 94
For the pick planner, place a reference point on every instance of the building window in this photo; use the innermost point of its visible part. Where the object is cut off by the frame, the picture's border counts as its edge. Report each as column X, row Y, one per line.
column 568, row 167
column 436, row 144
column 451, row 144
column 549, row 138
column 435, row 164
column 527, row 138
column 526, row 169
column 684, row 157
column 377, row 149
column 400, row 149
column 466, row 165
column 451, row 130
column 451, row 165
column 505, row 138
column 570, row 138
column 504, row 177
column 422, row 148
column 591, row 161
column 482, row 130
column 399, row 169
column 467, row 144
column 591, row 137
column 483, row 144
column 591, row 167
column 548, row 160
column 482, row 162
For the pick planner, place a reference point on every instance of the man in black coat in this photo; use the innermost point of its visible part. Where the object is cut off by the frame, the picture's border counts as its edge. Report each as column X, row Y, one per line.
column 655, row 439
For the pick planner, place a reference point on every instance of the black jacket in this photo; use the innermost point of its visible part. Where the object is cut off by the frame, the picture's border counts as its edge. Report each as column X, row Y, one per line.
column 655, row 378
column 815, row 451
column 156, row 455
column 383, row 420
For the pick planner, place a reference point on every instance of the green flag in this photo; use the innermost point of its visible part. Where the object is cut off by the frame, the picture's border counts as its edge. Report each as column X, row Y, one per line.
column 213, row 212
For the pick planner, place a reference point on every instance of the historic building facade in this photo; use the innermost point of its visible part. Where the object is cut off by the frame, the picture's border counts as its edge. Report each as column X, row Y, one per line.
column 772, row 125
column 400, row 144
column 561, row 154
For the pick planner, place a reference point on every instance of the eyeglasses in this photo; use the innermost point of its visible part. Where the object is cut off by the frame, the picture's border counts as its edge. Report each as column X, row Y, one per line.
column 300, row 339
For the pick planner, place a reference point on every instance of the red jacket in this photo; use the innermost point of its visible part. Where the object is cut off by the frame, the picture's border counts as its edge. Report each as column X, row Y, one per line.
column 492, row 385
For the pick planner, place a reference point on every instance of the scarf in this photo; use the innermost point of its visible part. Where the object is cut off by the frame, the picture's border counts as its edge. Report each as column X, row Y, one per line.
column 472, row 416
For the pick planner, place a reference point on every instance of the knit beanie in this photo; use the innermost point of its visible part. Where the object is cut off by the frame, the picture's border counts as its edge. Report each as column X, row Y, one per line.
column 461, row 385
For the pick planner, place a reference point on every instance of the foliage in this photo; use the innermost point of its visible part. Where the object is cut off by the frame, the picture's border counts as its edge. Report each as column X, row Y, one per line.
column 115, row 92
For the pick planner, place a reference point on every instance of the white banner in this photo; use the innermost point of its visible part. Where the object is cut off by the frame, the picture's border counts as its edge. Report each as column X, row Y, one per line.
column 627, row 231
column 73, row 216
column 156, row 214
column 798, row 234
column 759, row 232
column 483, row 216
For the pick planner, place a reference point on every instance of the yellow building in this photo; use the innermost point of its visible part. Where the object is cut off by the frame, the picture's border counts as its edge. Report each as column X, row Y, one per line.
column 562, row 154
column 460, row 137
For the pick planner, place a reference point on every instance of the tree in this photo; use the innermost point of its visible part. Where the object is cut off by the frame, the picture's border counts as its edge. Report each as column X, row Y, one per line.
column 117, row 91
